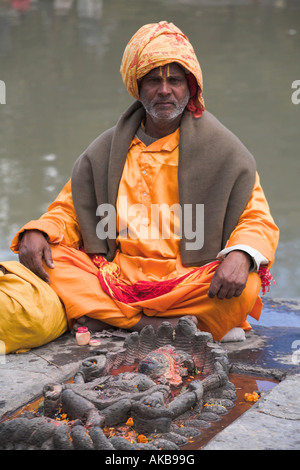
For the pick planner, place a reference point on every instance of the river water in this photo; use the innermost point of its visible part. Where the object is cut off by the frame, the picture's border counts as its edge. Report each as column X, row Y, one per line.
column 60, row 63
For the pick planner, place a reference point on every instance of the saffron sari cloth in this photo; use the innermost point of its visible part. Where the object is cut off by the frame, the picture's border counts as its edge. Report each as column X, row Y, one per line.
column 31, row 314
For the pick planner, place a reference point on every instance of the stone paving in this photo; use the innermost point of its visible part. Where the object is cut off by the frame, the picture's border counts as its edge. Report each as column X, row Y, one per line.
column 271, row 423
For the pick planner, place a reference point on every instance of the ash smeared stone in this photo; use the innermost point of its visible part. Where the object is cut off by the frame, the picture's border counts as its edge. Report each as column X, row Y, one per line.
column 199, row 349
column 146, row 341
column 92, row 368
column 199, row 423
column 97, row 398
column 100, row 442
column 146, row 446
column 81, row 440
column 119, row 443
column 42, row 434
column 221, row 401
column 8, row 429
column 209, row 416
column 167, row 362
column 174, row 437
column 185, row 331
column 218, row 409
column 164, row 335
column 61, row 438
column 229, row 394
column 131, row 344
column 165, row 444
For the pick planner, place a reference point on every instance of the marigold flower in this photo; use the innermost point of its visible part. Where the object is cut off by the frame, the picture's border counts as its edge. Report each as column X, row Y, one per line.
column 251, row 397
column 129, row 422
column 142, row 438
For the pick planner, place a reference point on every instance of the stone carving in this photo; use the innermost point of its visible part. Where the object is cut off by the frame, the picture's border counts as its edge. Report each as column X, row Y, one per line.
column 167, row 364
column 100, row 397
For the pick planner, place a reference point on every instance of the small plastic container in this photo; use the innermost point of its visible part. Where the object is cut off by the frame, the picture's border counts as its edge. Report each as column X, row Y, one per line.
column 94, row 342
column 83, row 336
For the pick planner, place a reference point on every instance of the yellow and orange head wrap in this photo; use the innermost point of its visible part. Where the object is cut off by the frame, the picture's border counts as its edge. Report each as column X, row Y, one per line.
column 158, row 44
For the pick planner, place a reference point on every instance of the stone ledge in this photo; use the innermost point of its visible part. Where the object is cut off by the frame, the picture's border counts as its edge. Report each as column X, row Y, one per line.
column 273, row 423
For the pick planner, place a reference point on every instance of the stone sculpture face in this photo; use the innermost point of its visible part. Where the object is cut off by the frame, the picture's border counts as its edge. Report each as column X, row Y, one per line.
column 167, row 363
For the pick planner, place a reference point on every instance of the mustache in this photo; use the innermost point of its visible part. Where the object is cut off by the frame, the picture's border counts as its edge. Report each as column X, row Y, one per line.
column 164, row 102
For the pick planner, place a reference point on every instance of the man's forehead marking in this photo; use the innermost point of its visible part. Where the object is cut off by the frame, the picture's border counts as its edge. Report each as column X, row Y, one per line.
column 164, row 71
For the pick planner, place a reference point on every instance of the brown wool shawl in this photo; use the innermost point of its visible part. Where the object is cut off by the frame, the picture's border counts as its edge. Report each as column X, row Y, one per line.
column 214, row 169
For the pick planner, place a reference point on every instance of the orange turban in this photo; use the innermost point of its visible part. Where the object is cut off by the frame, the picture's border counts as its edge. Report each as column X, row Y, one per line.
column 158, row 44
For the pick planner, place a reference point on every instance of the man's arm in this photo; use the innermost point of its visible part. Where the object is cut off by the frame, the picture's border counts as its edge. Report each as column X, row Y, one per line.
column 231, row 276
column 253, row 242
column 34, row 249
column 257, row 258
column 58, row 225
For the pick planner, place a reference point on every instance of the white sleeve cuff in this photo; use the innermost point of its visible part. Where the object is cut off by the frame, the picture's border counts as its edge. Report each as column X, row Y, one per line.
column 256, row 256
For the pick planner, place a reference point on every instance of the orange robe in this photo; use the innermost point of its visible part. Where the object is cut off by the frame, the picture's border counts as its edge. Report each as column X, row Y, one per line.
column 150, row 177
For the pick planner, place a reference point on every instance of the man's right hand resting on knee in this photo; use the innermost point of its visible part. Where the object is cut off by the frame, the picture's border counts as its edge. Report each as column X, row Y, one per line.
column 34, row 250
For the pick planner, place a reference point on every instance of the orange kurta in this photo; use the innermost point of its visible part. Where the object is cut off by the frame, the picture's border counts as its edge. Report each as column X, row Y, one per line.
column 150, row 177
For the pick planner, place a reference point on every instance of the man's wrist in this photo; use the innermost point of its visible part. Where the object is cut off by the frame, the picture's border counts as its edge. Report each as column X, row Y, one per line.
column 246, row 256
column 257, row 258
column 21, row 235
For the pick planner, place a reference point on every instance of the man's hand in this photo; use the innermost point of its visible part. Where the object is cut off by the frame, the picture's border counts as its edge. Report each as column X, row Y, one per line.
column 34, row 249
column 231, row 276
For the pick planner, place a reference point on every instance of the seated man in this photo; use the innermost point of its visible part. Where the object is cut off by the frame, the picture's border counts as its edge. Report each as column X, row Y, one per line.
column 164, row 215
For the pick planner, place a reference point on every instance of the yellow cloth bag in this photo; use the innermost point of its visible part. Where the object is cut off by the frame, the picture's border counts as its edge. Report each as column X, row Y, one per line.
column 31, row 313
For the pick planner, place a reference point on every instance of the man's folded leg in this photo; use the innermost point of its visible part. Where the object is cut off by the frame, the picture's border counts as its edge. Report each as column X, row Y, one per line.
column 75, row 281
column 214, row 315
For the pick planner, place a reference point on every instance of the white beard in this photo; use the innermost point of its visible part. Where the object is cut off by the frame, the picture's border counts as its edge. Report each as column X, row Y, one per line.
column 161, row 114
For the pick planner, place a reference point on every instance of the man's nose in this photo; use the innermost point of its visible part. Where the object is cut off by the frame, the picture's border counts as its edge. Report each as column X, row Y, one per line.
column 164, row 88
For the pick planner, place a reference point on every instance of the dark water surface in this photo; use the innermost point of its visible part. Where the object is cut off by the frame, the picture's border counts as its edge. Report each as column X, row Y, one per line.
column 60, row 62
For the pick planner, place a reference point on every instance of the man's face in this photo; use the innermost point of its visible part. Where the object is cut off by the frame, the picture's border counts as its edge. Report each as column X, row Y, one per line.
column 164, row 92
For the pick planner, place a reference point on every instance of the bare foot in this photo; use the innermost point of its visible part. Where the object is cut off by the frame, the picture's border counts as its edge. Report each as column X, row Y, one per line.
column 97, row 325
column 91, row 323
